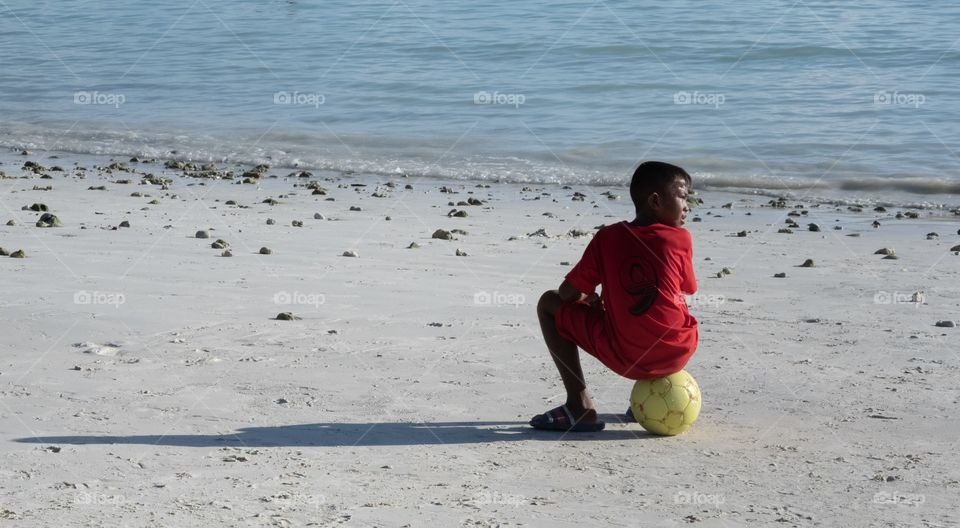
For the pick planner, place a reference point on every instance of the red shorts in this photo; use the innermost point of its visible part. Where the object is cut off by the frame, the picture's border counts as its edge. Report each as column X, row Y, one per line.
column 584, row 325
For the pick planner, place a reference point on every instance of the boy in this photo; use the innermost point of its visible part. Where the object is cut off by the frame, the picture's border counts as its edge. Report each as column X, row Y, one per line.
column 640, row 328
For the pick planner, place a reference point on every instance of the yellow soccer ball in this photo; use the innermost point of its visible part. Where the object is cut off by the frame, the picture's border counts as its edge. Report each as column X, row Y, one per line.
column 666, row 406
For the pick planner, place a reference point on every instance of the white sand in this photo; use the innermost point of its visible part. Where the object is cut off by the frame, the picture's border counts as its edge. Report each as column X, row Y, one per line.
column 406, row 401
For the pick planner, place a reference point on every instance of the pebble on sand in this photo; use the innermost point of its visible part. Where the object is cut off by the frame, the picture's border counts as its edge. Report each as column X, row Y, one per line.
column 48, row 220
column 955, row 248
column 286, row 316
column 125, row 223
column 885, row 251
column 875, row 224
column 945, row 324
column 202, row 234
column 18, row 254
column 226, row 253
column 271, row 221
column 891, row 257
column 413, row 245
column 780, row 275
column 297, row 223
column 443, row 235
column 220, row 244
column 350, row 253
column 3, row 252
column 265, row 251
column 355, row 208
column 11, row 222
column 38, row 207
column 807, row 263
column 461, row 253
column 318, row 216
column 813, row 227
column 932, row 236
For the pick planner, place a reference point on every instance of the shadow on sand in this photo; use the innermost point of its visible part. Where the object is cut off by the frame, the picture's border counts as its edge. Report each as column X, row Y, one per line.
column 362, row 434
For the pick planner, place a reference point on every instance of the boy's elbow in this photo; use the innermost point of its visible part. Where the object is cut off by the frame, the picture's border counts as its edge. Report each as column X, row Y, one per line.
column 568, row 293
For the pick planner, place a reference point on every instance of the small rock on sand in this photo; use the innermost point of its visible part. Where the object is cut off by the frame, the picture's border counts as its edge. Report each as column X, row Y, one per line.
column 124, row 224
column 265, row 251
column 780, row 275
column 318, row 216
column 807, row 263
column 350, row 253
column 461, row 253
column 443, row 235
column 875, row 224
column 271, row 221
column 413, row 245
column 11, row 222
column 226, row 253
column 3, row 252
column 39, row 207
column 955, row 248
column 202, row 234
column 932, row 236
column 885, row 251
column 891, row 257
column 220, row 244
column 286, row 316
column 297, row 223
column 18, row 254
column 813, row 227
column 785, row 230
column 355, row 208
column 48, row 220
column 945, row 324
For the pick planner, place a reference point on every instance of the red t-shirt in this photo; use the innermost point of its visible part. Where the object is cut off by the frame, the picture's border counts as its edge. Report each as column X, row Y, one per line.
column 644, row 272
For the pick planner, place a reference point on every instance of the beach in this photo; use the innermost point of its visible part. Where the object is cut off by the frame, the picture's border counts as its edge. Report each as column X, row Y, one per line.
column 146, row 378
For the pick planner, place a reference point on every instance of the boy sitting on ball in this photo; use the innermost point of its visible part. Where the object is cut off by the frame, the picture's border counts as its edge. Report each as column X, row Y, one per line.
column 640, row 328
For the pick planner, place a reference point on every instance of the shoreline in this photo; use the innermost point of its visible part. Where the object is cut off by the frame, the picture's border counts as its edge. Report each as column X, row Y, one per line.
column 855, row 193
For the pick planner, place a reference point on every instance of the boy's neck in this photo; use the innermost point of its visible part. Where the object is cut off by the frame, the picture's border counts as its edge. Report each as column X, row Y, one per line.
column 643, row 220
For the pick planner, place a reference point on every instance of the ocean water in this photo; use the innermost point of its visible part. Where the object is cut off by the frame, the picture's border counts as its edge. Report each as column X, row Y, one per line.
column 816, row 98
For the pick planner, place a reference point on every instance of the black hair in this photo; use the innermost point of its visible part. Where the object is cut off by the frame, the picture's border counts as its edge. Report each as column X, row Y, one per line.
column 651, row 177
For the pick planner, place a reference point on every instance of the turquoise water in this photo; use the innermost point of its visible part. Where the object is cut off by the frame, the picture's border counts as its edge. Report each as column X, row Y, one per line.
column 837, row 97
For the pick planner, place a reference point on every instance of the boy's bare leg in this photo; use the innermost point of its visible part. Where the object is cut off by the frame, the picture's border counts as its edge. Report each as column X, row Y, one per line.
column 567, row 359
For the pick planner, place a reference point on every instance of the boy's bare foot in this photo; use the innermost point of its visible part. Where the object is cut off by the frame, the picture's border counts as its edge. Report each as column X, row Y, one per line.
column 563, row 419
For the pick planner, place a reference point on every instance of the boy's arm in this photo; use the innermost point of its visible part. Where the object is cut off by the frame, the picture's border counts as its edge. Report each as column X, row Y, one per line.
column 689, row 283
column 568, row 293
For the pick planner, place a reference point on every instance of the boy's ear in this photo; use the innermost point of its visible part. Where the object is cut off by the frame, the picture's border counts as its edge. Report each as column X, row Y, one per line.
column 653, row 200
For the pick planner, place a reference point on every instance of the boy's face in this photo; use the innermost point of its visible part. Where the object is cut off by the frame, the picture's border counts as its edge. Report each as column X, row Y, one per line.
column 670, row 206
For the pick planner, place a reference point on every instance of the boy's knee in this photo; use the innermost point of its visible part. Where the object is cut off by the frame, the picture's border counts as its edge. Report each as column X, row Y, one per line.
column 549, row 302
